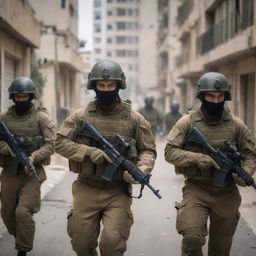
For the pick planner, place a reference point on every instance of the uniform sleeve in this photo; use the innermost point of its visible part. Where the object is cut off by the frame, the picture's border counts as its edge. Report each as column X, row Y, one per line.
column 47, row 128
column 174, row 152
column 65, row 144
column 246, row 146
column 145, row 145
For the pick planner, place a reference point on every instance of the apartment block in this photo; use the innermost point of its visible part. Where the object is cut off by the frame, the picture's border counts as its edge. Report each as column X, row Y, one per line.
column 167, row 48
column 218, row 35
column 19, row 35
column 58, row 56
column 125, row 31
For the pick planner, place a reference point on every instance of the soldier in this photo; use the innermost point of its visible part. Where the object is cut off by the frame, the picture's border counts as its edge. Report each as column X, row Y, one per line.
column 172, row 117
column 201, row 200
column 20, row 192
column 151, row 114
column 94, row 199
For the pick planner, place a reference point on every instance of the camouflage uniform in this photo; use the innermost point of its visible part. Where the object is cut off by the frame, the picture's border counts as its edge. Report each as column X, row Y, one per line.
column 200, row 198
column 96, row 200
column 20, row 193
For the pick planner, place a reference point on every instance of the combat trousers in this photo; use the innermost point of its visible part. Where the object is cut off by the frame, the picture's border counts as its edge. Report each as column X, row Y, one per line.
column 91, row 206
column 20, row 199
column 200, row 202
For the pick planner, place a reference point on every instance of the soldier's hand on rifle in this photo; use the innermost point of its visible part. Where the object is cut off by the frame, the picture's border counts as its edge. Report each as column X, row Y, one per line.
column 205, row 162
column 239, row 181
column 129, row 179
column 98, row 156
column 5, row 149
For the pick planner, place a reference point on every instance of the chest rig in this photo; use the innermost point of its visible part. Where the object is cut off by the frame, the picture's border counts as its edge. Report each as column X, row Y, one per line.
column 216, row 133
column 109, row 125
column 25, row 128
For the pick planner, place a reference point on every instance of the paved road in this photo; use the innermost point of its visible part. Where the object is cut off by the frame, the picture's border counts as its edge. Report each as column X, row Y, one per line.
column 153, row 232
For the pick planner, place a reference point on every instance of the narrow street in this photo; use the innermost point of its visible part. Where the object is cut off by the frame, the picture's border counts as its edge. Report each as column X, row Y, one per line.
column 153, row 232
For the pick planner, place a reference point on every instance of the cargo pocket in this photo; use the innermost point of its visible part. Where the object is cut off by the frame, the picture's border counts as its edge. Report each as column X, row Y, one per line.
column 180, row 224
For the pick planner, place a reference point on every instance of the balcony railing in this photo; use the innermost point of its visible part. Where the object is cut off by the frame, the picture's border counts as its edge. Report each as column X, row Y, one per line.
column 225, row 30
column 184, row 10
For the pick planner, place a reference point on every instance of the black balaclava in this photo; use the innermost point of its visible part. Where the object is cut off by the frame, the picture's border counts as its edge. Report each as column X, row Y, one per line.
column 106, row 98
column 23, row 107
column 213, row 109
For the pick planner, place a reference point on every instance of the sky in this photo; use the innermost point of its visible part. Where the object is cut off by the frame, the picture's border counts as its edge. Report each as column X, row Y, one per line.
column 85, row 23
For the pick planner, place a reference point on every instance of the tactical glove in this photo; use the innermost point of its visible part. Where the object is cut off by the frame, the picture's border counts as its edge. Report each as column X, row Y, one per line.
column 205, row 162
column 239, row 181
column 5, row 149
column 98, row 156
column 129, row 179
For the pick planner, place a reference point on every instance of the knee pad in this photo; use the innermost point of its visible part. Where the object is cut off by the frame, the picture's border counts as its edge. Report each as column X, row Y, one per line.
column 192, row 242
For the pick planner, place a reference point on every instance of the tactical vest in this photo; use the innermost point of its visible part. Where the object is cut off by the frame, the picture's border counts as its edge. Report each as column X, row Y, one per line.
column 26, row 129
column 216, row 133
column 109, row 125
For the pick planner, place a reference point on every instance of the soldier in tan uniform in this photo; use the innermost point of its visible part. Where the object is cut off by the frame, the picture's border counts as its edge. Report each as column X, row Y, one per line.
column 151, row 114
column 20, row 192
column 201, row 200
column 172, row 117
column 95, row 200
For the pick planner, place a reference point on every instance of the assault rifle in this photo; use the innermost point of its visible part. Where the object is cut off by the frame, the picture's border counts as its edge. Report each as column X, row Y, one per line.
column 21, row 156
column 228, row 161
column 117, row 155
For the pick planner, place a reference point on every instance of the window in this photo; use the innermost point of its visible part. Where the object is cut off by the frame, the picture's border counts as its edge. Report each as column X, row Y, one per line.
column 97, row 28
column 120, row 12
column 120, row 25
column 110, row 13
column 109, row 40
column 97, row 40
column 98, row 51
column 120, row 53
column 97, row 3
column 97, row 15
column 120, row 39
column 63, row 4
column 109, row 54
column 109, row 27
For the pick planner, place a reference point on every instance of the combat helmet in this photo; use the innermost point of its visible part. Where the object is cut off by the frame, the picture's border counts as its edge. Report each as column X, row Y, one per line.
column 213, row 81
column 149, row 99
column 106, row 70
column 22, row 85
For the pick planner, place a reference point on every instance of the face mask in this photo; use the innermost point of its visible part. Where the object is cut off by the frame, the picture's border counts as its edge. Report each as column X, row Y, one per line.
column 106, row 98
column 22, row 107
column 213, row 109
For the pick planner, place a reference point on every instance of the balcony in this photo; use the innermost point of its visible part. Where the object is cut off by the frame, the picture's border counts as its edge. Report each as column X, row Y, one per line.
column 18, row 20
column 184, row 10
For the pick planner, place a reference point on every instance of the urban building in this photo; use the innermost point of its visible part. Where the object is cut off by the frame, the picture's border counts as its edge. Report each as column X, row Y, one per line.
column 19, row 35
column 58, row 57
column 125, row 31
column 86, row 95
column 218, row 35
column 167, row 49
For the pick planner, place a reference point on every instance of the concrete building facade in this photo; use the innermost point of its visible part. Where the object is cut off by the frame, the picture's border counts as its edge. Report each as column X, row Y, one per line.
column 218, row 35
column 167, row 49
column 58, row 56
column 19, row 35
column 125, row 31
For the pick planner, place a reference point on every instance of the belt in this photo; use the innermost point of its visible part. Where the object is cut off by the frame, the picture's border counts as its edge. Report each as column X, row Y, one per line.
column 104, row 184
